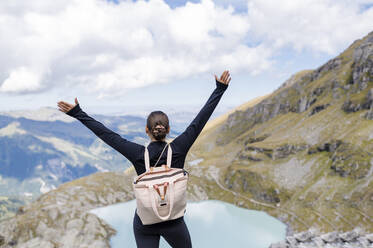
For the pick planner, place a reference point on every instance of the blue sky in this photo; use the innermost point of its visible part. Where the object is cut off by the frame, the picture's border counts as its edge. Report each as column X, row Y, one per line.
column 165, row 53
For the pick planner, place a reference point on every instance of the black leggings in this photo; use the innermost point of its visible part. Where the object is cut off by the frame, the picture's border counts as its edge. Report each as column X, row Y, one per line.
column 175, row 232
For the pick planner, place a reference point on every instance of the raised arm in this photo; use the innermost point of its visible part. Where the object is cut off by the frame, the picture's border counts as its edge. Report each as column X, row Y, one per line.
column 186, row 139
column 122, row 145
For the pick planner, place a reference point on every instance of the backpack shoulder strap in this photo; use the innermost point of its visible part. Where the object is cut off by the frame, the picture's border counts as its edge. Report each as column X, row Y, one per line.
column 169, row 155
column 147, row 160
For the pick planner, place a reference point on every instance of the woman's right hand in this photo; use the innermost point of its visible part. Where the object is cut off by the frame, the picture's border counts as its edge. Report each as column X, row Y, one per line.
column 65, row 106
column 224, row 78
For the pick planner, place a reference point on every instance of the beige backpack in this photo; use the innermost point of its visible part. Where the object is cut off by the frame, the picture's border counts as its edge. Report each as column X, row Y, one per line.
column 160, row 191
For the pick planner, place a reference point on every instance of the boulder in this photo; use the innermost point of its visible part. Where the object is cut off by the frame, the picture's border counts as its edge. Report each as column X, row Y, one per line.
column 304, row 236
column 281, row 244
column 330, row 237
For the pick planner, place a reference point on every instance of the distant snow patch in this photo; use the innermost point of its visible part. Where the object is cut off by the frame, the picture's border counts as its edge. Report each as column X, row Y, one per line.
column 72, row 150
column 44, row 188
column 99, row 168
column 11, row 129
column 41, row 114
column 53, row 176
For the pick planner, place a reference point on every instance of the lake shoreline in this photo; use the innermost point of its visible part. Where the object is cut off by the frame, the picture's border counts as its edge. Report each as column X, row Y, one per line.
column 201, row 217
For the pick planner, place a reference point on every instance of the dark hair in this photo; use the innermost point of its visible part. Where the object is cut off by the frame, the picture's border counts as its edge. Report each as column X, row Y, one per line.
column 157, row 118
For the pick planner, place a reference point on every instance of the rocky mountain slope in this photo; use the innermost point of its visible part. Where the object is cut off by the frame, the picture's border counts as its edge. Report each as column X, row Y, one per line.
column 60, row 217
column 304, row 153
column 309, row 239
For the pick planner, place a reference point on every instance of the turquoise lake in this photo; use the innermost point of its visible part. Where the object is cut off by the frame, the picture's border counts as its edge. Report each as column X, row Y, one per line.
column 211, row 224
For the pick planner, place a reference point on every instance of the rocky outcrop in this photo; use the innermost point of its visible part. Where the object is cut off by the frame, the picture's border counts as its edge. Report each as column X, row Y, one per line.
column 361, row 79
column 346, row 159
column 355, row 238
column 330, row 146
column 288, row 149
column 60, row 218
column 255, row 153
column 332, row 64
column 9, row 205
column 301, row 92
column 250, row 182
column 350, row 106
column 318, row 108
column 362, row 73
column 253, row 138
column 368, row 100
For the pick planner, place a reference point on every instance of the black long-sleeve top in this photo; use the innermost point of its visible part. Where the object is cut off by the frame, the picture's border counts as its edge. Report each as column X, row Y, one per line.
column 135, row 152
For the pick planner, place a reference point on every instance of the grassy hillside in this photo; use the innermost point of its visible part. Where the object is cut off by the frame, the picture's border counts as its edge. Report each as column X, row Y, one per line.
column 303, row 153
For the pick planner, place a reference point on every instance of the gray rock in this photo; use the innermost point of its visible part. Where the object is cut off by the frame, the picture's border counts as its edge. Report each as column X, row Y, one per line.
column 53, row 213
column 330, row 237
column 99, row 244
column 47, row 233
column 291, row 241
column 91, row 196
column 363, row 64
column 349, row 236
column 369, row 115
column 350, row 107
column 71, row 238
column 330, row 65
column 281, row 244
column 363, row 241
column 312, row 239
column 36, row 243
column 75, row 223
column 302, row 104
column 318, row 241
column 306, row 245
column 369, row 237
column 318, row 108
column 368, row 100
column 304, row 236
column 2, row 240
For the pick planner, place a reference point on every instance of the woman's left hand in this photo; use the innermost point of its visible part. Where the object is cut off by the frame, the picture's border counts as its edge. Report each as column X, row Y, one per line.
column 65, row 106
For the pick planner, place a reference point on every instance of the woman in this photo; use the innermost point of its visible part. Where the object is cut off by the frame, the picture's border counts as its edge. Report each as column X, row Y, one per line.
column 175, row 232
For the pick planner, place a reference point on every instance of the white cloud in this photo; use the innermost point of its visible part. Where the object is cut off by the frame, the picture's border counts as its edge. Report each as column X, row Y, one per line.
column 325, row 26
column 21, row 79
column 109, row 48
